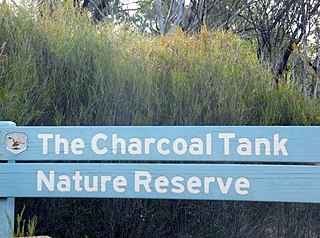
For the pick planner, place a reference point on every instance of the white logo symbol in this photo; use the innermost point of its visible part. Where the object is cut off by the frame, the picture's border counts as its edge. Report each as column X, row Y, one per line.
column 16, row 142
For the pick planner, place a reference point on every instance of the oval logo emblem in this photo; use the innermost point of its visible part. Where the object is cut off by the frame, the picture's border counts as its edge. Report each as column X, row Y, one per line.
column 16, row 142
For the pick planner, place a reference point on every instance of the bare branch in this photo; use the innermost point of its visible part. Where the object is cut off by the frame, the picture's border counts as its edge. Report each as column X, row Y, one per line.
column 97, row 9
column 160, row 15
column 245, row 6
column 182, row 14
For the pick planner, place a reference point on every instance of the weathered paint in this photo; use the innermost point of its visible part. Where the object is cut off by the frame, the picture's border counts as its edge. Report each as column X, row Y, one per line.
column 276, row 183
column 241, row 182
column 6, row 204
column 298, row 144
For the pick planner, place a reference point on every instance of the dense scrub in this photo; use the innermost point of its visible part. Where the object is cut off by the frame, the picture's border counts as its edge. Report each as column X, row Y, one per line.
column 60, row 68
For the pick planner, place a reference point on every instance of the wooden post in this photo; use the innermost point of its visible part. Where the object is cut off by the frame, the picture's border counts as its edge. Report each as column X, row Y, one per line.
column 6, row 204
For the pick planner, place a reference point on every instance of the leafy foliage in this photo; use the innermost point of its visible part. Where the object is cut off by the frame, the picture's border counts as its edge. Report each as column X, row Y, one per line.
column 61, row 68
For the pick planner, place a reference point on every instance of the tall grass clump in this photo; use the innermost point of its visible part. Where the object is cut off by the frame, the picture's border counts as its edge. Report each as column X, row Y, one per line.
column 61, row 68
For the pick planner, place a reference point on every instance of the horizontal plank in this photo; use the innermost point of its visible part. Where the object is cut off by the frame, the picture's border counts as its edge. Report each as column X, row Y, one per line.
column 207, row 143
column 282, row 183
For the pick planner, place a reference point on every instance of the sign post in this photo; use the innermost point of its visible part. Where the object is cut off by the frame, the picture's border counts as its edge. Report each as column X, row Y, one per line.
column 6, row 203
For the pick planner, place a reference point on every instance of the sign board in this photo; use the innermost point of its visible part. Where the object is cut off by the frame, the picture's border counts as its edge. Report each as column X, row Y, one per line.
column 207, row 163
column 162, row 181
column 202, row 144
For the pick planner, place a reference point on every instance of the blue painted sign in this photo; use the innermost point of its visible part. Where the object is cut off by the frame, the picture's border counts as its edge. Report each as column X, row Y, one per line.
column 245, row 144
column 204, row 180
column 162, row 181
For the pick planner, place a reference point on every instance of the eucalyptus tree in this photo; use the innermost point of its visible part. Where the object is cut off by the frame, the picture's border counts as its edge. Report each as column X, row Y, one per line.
column 191, row 15
column 273, row 24
column 278, row 24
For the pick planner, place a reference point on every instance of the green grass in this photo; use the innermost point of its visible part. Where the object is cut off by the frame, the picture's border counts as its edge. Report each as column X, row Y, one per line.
column 21, row 229
column 63, row 69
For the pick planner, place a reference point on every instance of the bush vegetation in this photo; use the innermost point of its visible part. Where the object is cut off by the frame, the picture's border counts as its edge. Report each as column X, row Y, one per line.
column 61, row 68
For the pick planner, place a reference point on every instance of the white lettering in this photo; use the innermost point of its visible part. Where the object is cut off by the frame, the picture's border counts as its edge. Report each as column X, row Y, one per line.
column 94, row 144
column 135, row 146
column 77, row 179
column 94, row 187
column 196, row 148
column 226, row 141
column 118, row 141
column 176, row 182
column 193, row 185
column 77, row 145
column 148, row 142
column 224, row 188
column 160, row 146
column 241, row 184
column 104, row 180
column 207, row 181
column 119, row 184
column 258, row 144
column 180, row 142
column 41, row 178
column 139, row 181
column 209, row 144
column 280, row 145
column 63, row 184
column 161, row 182
column 61, row 141
column 245, row 147
column 45, row 138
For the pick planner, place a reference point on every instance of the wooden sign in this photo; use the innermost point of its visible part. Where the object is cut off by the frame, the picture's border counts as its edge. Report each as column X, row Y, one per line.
column 178, row 163
column 274, row 183
column 203, row 144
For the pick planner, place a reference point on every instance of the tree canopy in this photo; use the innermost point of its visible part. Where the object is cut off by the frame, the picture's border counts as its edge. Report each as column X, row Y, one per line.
column 273, row 26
